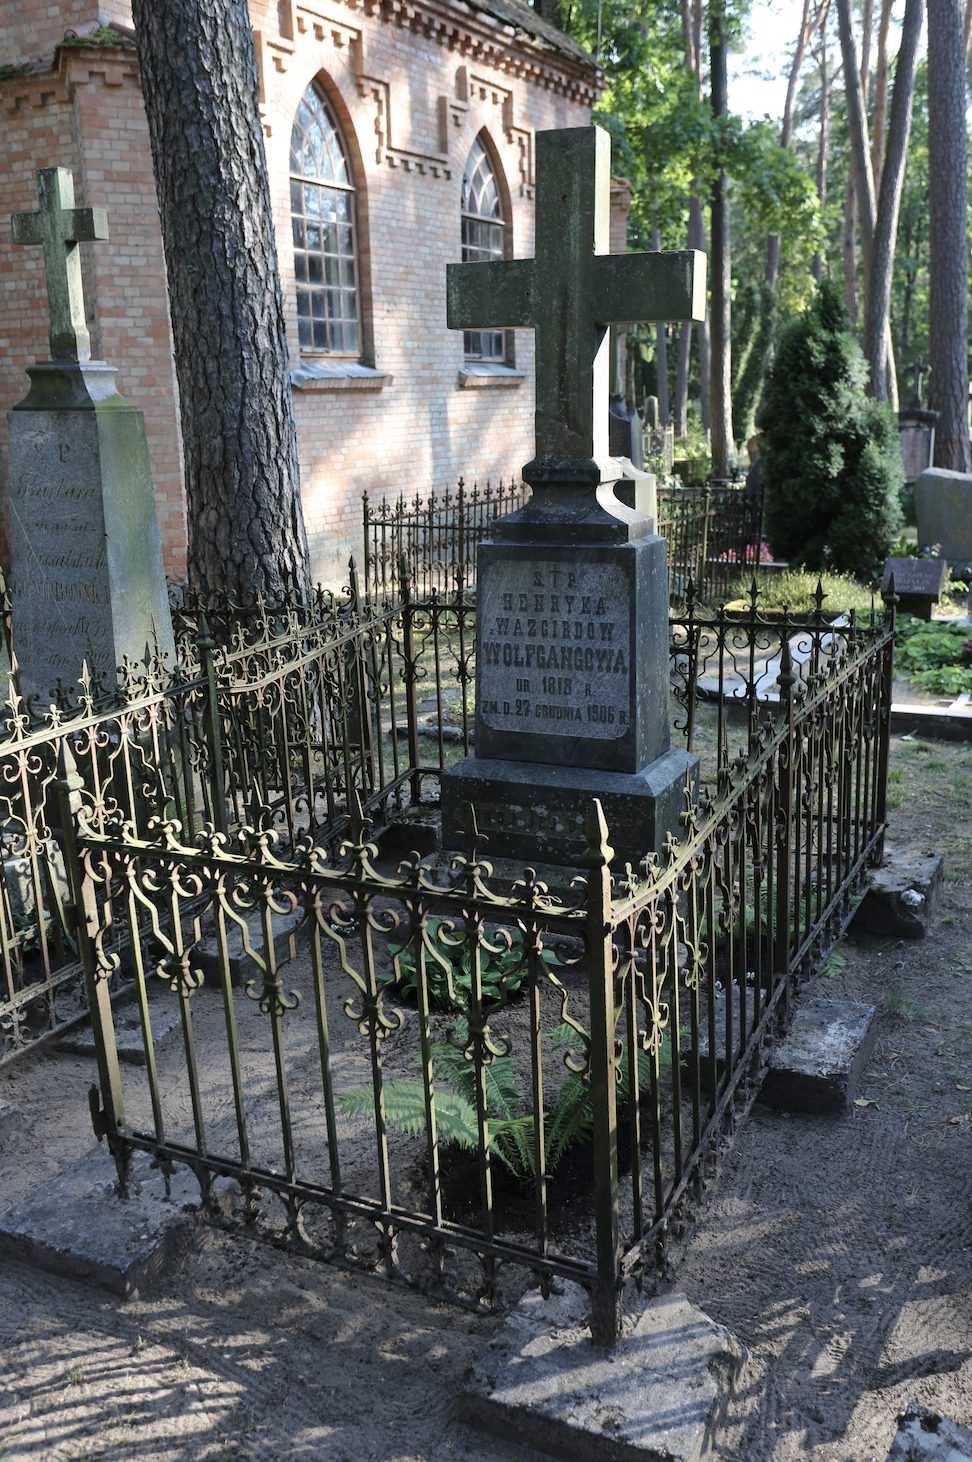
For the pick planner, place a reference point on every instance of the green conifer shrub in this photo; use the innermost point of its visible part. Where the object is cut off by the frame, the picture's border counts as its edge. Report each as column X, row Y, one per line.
column 831, row 459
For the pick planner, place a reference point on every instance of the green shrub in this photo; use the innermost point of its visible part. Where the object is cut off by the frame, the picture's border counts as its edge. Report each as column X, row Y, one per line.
column 936, row 658
column 831, row 459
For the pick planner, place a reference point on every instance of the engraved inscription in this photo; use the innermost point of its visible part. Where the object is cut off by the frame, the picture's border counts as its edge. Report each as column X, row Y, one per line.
column 554, row 650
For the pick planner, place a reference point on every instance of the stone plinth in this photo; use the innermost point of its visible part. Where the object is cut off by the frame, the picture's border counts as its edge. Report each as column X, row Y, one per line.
column 943, row 509
column 531, row 812
column 75, row 1225
column 658, row 1396
column 87, row 581
column 819, row 1065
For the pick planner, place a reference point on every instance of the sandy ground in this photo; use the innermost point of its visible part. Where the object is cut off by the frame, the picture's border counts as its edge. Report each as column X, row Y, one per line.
column 838, row 1250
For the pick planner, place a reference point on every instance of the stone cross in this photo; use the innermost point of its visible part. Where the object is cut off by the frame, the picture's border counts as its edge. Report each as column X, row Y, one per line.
column 61, row 227
column 572, row 291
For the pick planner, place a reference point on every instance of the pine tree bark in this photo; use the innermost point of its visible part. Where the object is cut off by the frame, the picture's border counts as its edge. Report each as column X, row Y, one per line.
column 948, row 255
column 876, row 329
column 720, row 377
column 827, row 78
column 199, row 81
column 880, row 96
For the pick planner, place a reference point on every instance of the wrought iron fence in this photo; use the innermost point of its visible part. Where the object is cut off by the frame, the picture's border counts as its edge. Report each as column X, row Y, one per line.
column 437, row 536
column 406, row 1089
column 308, row 710
column 714, row 536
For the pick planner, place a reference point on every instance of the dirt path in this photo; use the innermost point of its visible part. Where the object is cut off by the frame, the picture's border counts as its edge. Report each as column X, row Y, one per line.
column 839, row 1251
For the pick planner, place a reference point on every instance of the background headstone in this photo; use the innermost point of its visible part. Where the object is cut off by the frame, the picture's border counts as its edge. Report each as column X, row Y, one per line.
column 943, row 510
column 87, row 580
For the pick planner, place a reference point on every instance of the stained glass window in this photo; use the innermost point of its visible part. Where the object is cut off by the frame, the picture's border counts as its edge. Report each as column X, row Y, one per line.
column 322, row 206
column 482, row 239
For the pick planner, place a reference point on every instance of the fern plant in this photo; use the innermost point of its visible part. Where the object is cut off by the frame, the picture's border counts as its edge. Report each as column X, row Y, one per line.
column 502, row 966
column 569, row 1122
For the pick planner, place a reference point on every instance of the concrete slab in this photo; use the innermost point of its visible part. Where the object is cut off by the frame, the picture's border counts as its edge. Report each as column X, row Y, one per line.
column 11, row 1121
column 818, row 1067
column 241, row 966
column 905, row 893
column 927, row 1436
column 74, row 1225
column 659, row 1396
column 128, row 1035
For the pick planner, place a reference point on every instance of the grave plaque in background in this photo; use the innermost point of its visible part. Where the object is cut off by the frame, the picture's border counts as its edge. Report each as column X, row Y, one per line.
column 918, row 583
column 86, row 577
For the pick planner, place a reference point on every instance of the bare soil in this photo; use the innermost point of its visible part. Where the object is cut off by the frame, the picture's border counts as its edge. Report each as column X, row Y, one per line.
column 839, row 1250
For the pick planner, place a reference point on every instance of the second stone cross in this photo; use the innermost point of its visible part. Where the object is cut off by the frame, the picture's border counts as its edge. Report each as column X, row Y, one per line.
column 572, row 667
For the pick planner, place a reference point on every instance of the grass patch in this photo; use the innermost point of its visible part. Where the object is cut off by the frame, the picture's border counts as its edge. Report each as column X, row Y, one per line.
column 795, row 590
column 902, row 1007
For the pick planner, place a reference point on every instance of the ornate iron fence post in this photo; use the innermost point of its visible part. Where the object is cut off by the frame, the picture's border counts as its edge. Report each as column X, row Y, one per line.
column 212, row 729
column 110, row 1115
column 365, row 507
column 605, row 1291
column 784, row 810
column 884, row 726
column 411, row 704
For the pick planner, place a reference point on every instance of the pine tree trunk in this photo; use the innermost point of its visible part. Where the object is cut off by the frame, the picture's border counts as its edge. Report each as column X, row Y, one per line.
column 720, row 377
column 880, row 96
column 199, row 81
column 850, row 246
column 823, row 139
column 661, row 351
column 877, row 335
column 786, row 132
column 680, row 412
column 948, row 255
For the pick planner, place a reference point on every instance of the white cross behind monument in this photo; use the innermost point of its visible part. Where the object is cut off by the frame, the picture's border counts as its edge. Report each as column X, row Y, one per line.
column 571, row 292
column 61, row 227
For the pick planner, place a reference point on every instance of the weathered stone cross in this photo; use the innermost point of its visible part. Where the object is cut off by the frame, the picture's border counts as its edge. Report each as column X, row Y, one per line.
column 572, row 291
column 61, row 227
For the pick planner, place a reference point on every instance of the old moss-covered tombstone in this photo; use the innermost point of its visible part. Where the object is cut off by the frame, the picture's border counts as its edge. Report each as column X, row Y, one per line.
column 572, row 624
column 87, row 579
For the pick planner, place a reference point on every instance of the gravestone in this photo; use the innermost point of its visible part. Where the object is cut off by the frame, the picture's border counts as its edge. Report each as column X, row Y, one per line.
column 87, row 580
column 918, row 583
column 916, row 429
column 572, row 663
column 943, row 511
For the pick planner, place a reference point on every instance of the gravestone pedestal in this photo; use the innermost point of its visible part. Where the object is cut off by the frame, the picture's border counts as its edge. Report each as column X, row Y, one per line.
column 87, row 579
column 572, row 697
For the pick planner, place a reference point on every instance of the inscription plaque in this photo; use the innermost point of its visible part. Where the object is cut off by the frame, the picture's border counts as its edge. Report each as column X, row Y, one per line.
column 555, row 650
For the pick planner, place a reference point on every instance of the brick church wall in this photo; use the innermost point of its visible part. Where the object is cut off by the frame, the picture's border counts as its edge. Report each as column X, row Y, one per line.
column 412, row 89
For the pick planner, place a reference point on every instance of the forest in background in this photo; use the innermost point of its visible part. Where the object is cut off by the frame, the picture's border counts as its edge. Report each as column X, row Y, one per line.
column 790, row 182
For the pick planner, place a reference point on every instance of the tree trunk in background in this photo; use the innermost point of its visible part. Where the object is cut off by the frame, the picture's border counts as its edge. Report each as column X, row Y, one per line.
column 968, row 26
column 823, row 142
column 721, row 331
column 948, row 255
column 661, row 351
column 877, row 333
column 786, row 132
column 697, row 228
column 857, row 126
column 680, row 410
column 880, row 96
column 850, row 247
column 199, row 81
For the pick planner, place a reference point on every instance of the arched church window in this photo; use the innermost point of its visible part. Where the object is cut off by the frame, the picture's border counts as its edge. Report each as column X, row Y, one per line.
column 322, row 205
column 482, row 238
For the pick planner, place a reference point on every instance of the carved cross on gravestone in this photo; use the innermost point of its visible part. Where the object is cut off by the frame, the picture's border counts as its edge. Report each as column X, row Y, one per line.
column 572, row 291
column 61, row 227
